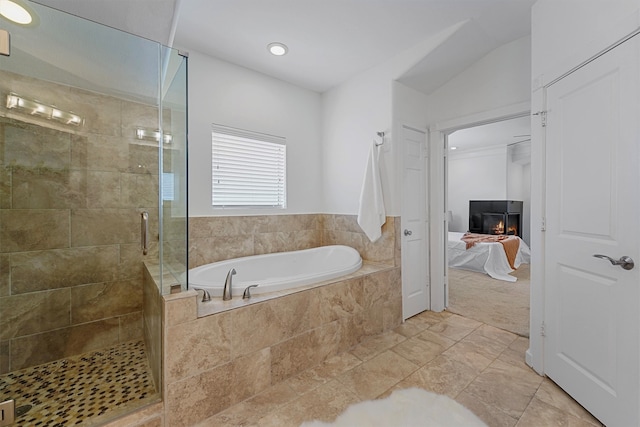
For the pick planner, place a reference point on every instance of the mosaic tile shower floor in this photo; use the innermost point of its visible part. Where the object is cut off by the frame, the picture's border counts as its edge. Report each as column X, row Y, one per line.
column 82, row 390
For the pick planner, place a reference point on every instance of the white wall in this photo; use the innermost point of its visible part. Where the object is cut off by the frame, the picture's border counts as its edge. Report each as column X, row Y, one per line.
column 223, row 93
column 499, row 79
column 475, row 175
column 352, row 113
column 568, row 32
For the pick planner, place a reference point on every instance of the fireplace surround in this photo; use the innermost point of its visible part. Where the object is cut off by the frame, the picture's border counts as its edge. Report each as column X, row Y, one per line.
column 495, row 217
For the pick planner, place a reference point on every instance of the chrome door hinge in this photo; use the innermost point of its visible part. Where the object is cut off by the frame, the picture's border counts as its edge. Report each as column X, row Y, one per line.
column 543, row 224
column 543, row 117
column 543, row 332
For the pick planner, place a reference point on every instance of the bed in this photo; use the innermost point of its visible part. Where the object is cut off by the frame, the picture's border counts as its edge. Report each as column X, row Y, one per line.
column 485, row 257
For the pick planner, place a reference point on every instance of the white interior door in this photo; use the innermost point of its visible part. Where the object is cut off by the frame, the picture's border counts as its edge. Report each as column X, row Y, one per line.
column 415, row 281
column 592, row 188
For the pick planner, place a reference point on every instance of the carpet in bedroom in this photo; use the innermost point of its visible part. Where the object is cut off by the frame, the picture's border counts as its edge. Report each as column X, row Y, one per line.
column 504, row 305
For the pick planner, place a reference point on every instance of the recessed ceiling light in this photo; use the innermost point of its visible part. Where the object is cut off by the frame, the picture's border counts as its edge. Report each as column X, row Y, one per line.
column 453, row 148
column 278, row 49
column 14, row 11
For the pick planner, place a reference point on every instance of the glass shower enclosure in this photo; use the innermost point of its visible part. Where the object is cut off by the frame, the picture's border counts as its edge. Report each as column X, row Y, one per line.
column 93, row 126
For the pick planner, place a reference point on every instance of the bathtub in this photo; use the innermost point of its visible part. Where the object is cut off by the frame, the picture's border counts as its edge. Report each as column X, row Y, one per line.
column 277, row 271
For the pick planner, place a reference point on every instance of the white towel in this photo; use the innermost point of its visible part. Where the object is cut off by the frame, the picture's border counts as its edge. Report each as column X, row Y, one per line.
column 371, row 214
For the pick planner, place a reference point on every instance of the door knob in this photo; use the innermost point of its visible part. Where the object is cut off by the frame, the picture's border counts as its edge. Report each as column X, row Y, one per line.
column 624, row 261
column 407, row 232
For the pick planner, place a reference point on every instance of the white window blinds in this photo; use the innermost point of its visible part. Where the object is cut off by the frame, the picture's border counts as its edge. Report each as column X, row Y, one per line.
column 248, row 169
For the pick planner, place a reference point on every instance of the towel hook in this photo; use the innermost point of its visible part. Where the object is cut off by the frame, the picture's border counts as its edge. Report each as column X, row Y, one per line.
column 381, row 135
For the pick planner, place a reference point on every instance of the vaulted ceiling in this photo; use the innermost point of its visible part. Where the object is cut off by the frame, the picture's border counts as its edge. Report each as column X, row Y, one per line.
column 329, row 40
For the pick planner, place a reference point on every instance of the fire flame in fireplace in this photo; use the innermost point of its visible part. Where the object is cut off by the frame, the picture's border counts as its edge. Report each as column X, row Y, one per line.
column 512, row 230
column 498, row 228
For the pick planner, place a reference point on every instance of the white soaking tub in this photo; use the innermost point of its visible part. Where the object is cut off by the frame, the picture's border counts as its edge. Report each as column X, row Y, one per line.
column 277, row 271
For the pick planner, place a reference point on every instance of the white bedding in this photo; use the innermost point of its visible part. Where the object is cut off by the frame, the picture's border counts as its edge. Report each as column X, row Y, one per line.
column 488, row 258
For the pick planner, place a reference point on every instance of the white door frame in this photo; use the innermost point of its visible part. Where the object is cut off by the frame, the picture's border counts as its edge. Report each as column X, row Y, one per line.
column 437, row 193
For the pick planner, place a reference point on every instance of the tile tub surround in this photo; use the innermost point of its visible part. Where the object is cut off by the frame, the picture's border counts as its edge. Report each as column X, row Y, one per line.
column 218, row 238
column 224, row 358
column 71, row 277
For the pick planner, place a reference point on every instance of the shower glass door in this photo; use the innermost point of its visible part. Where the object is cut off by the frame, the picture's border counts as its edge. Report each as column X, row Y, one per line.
column 87, row 144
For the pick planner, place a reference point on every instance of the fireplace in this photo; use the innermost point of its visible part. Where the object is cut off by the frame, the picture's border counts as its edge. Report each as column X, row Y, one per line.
column 495, row 217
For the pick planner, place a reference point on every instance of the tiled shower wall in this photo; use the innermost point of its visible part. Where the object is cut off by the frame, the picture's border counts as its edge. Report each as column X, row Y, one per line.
column 70, row 201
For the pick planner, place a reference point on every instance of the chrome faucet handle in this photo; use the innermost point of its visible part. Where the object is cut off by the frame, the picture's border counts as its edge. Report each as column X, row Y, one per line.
column 247, row 292
column 206, row 296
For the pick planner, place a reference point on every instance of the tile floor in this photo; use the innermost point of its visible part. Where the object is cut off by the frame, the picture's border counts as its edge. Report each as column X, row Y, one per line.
column 82, row 390
column 478, row 365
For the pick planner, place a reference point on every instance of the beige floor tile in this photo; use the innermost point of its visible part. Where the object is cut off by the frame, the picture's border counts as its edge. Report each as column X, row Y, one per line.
column 442, row 375
column 520, row 344
column 372, row 346
column 410, row 329
column 375, row 376
column 540, row 414
column 496, row 334
column 452, row 329
column 553, row 395
column 466, row 322
column 505, row 386
column 484, row 345
column 418, row 351
column 249, row 412
column 491, row 415
column 437, row 338
column 467, row 353
column 324, row 403
column 314, row 377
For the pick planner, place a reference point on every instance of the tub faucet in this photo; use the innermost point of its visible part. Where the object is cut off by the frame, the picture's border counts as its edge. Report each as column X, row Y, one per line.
column 205, row 294
column 226, row 293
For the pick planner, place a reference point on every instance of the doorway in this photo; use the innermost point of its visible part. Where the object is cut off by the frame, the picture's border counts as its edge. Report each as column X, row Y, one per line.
column 487, row 187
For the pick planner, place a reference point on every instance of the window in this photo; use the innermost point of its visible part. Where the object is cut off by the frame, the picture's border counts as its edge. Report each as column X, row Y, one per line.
column 248, row 169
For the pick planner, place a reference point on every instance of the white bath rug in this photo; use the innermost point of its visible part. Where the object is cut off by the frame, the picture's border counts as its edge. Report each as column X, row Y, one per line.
column 411, row 407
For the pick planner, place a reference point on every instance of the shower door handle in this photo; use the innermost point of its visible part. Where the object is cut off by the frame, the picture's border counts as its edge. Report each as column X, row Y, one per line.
column 144, row 232
column 624, row 261
column 408, row 232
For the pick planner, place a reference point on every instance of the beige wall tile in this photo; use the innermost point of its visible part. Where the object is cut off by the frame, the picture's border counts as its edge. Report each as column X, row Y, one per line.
column 303, row 351
column 181, row 310
column 142, row 159
column 91, row 227
column 131, row 327
column 5, row 181
column 103, row 189
column 197, row 346
column 99, row 152
column 199, row 397
column 32, row 313
column 32, row 230
column 251, row 374
column 4, row 357
column 41, row 348
column 101, row 112
column 102, row 300
column 34, row 271
column 41, row 188
column 341, row 299
column 34, row 146
column 264, row 324
column 5, row 277
column 212, row 249
column 140, row 190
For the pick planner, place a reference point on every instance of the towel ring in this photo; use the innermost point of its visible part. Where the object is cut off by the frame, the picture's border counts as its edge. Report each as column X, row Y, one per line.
column 381, row 135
